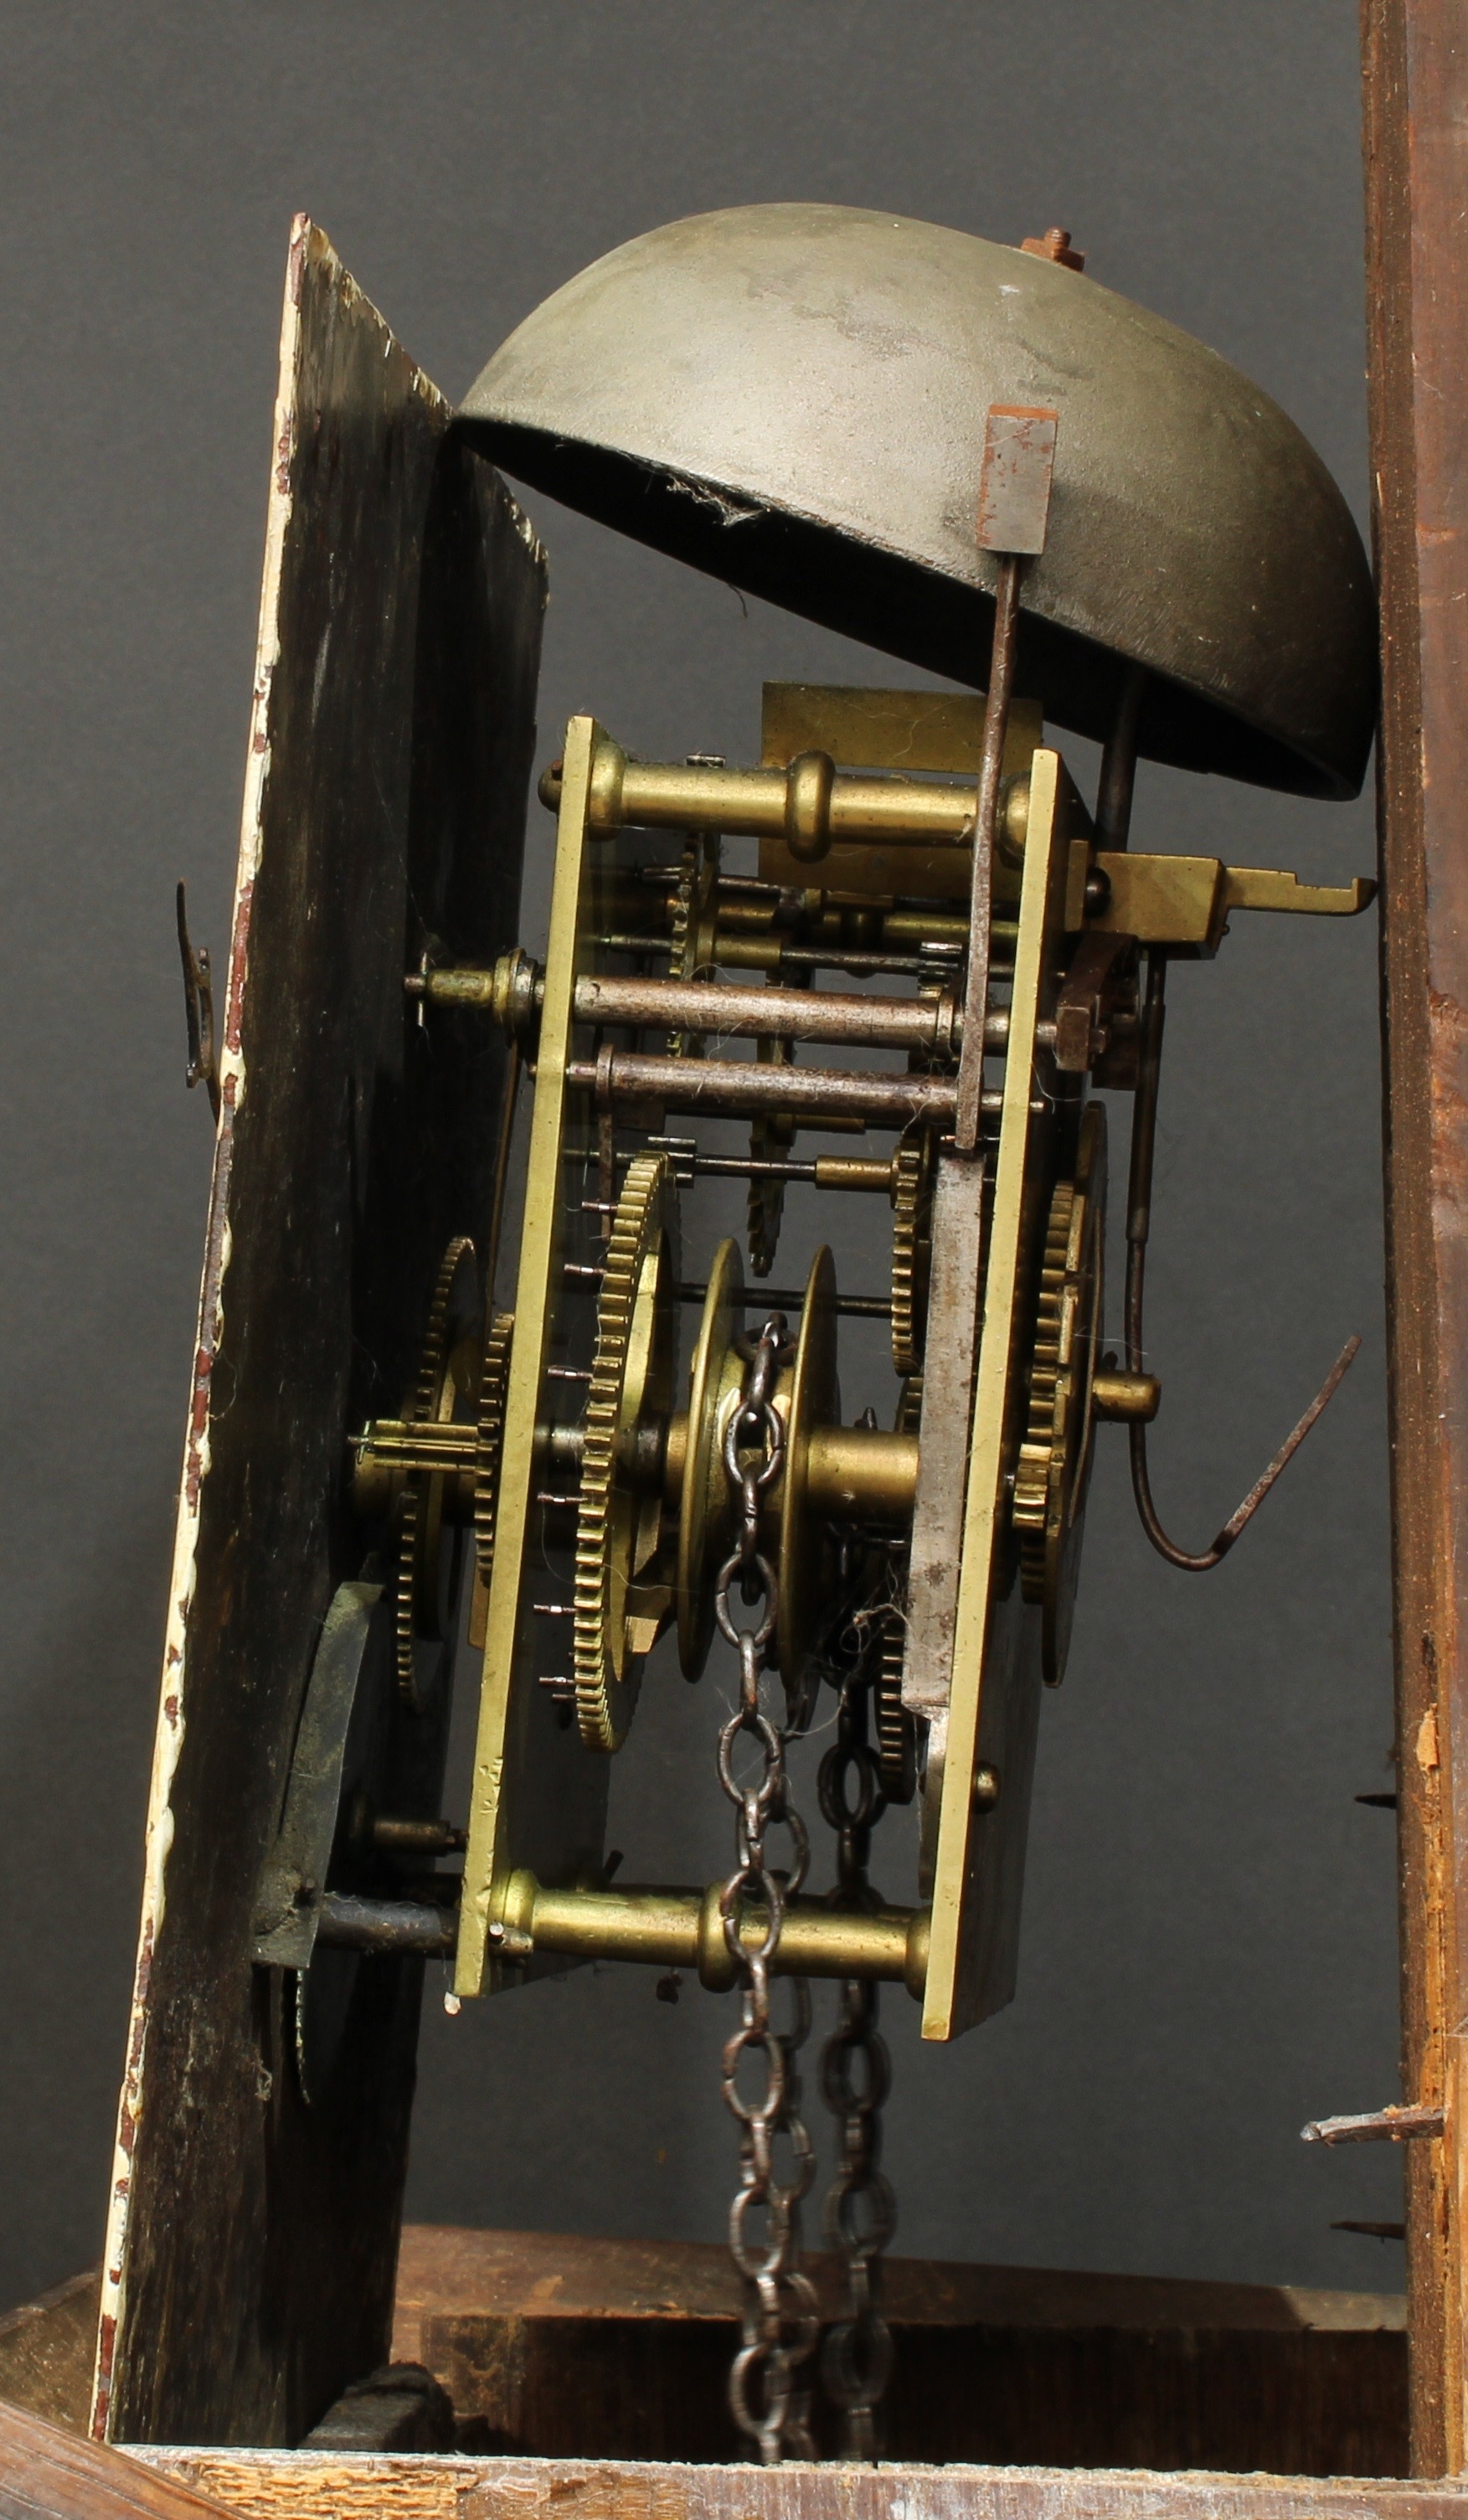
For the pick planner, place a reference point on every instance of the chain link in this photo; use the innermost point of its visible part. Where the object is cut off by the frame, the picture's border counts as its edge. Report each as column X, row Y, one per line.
column 769, row 2391
column 855, row 2073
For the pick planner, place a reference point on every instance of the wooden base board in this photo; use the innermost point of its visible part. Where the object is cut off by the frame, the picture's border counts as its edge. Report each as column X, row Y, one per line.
column 294, row 2485
column 572, row 2350
column 618, row 2349
column 46, row 2474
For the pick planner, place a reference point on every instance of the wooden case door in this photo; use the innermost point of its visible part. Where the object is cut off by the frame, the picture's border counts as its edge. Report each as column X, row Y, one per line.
column 254, row 2219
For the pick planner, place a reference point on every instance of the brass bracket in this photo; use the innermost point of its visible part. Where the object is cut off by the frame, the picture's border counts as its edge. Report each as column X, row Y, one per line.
column 1184, row 902
column 198, row 1008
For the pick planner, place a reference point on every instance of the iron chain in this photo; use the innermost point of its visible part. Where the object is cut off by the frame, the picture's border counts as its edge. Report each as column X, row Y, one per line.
column 856, row 2074
column 767, row 2391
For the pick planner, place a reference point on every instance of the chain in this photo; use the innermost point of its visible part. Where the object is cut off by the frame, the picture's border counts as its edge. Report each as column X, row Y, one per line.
column 768, row 2393
column 856, row 2074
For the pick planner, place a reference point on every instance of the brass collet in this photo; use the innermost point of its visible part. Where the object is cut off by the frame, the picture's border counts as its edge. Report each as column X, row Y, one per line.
column 1126, row 1398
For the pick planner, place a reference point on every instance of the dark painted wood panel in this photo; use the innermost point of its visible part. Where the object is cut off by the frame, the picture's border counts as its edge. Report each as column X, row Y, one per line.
column 1415, row 57
column 251, row 2259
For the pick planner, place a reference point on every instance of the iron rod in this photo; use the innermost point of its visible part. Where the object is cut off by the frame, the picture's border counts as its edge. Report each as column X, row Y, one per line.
column 743, row 1087
column 923, row 1024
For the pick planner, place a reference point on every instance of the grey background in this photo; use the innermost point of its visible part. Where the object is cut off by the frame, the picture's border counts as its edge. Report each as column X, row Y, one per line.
column 1209, row 1950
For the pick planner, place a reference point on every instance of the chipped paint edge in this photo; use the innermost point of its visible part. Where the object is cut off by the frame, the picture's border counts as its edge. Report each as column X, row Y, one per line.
column 307, row 244
column 308, row 247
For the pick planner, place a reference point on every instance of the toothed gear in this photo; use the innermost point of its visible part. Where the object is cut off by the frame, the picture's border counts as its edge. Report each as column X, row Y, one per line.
column 1037, row 1455
column 1053, row 1469
column 896, row 1731
column 696, row 905
column 435, row 1395
column 619, row 1522
column 494, row 1379
column 678, row 1042
column 911, row 1251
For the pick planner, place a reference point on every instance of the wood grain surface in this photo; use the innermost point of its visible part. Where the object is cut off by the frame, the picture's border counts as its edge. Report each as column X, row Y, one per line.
column 280, row 2485
column 561, row 2346
column 448, row 2272
column 47, row 2349
column 613, row 2349
column 46, row 2474
column 1416, row 161
column 260, row 2160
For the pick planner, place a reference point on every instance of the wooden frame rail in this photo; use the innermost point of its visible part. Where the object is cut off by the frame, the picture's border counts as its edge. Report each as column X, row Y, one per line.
column 1415, row 65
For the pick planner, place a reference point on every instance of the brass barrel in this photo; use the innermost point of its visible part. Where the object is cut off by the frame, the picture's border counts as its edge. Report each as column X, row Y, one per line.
column 807, row 805
column 861, row 1474
column 684, row 1929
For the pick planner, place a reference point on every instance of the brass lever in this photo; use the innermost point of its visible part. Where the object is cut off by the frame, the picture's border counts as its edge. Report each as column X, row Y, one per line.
column 1138, row 1222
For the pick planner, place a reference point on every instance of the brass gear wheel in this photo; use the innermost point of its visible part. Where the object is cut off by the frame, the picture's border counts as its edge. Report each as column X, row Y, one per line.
column 895, row 1730
column 808, row 1396
column 1053, row 1469
column 493, row 1381
column 911, row 1249
column 694, row 927
column 622, row 1597
column 705, row 1514
column 448, row 1369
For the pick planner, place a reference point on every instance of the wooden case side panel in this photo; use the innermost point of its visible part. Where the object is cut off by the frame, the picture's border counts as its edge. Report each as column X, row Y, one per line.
column 1416, row 115
column 252, row 2250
